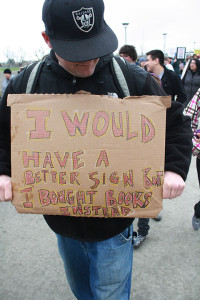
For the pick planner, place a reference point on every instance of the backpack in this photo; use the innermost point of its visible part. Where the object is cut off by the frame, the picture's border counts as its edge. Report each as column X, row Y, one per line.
column 119, row 68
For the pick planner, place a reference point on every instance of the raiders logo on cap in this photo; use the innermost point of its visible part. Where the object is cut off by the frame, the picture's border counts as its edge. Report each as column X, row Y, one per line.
column 84, row 18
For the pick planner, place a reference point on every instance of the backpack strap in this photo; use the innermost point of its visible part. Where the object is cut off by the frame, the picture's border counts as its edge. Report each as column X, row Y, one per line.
column 122, row 76
column 30, row 76
column 118, row 65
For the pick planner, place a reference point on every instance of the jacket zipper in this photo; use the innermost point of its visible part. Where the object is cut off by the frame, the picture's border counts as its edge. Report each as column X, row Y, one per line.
column 74, row 84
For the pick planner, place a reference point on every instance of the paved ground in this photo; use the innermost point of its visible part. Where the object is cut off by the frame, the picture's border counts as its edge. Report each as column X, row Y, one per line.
column 165, row 267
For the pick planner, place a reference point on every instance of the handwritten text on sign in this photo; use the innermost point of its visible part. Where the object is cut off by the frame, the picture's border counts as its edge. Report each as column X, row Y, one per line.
column 84, row 155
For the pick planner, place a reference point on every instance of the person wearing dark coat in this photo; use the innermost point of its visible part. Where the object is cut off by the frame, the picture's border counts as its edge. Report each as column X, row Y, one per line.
column 171, row 82
column 191, row 80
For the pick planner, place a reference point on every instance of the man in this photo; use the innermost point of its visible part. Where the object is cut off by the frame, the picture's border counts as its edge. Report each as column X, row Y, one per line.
column 8, row 76
column 171, row 82
column 97, row 252
column 129, row 53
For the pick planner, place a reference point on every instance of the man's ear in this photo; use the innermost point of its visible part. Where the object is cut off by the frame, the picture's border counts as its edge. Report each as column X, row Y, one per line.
column 46, row 38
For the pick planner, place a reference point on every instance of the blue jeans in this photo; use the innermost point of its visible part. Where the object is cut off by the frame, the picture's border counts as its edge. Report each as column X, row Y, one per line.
column 99, row 270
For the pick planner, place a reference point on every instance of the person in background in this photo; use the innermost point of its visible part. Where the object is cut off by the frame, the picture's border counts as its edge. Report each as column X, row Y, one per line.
column 168, row 64
column 191, row 79
column 193, row 111
column 129, row 53
column 8, row 76
column 171, row 82
column 142, row 63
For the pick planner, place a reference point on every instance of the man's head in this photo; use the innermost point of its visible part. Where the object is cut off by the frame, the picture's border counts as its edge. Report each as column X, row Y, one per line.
column 155, row 61
column 76, row 29
column 7, row 73
column 129, row 53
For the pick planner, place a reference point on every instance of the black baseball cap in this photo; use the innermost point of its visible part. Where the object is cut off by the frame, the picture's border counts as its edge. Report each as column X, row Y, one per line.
column 77, row 30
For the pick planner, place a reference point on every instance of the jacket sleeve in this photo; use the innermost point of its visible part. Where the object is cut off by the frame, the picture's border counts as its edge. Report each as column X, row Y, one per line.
column 5, row 151
column 179, row 89
column 178, row 148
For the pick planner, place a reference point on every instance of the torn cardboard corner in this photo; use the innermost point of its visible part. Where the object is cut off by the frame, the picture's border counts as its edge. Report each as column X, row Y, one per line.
column 87, row 155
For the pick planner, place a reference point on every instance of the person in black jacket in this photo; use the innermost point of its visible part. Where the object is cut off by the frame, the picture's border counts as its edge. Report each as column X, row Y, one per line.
column 97, row 252
column 191, row 79
column 171, row 82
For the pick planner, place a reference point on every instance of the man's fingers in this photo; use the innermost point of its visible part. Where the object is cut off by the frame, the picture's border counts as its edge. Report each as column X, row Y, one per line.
column 173, row 185
column 5, row 188
column 8, row 192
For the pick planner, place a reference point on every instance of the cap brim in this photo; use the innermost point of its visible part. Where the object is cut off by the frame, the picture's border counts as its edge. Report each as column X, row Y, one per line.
column 82, row 50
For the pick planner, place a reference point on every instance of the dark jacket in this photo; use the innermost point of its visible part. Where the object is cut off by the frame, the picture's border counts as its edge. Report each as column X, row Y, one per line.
column 173, row 86
column 54, row 79
column 191, row 84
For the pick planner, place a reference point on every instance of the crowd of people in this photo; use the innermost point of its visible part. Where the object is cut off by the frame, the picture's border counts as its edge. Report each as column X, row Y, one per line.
column 91, row 248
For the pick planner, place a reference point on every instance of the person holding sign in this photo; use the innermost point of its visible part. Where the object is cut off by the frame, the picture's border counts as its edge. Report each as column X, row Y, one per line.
column 97, row 252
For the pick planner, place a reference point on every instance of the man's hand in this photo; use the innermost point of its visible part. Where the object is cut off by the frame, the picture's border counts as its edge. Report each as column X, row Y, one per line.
column 173, row 185
column 5, row 188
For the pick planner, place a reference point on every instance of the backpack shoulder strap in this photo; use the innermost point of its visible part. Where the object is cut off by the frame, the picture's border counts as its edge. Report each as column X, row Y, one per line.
column 118, row 65
column 30, row 76
column 122, row 76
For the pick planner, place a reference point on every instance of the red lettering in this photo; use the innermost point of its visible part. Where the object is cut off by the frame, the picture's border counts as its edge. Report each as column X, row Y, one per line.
column 61, row 197
column 147, row 182
column 117, row 131
column 80, row 196
column 128, row 180
column 113, row 178
column 47, row 160
column 29, row 178
column 121, row 197
column 63, row 162
column 27, row 158
column 73, row 178
column 103, row 157
column 76, row 160
column 65, row 211
column 110, row 200
column 87, row 211
column 128, row 199
column 91, row 194
column 53, row 198
column 61, row 178
column 44, row 197
column 96, row 181
column 96, row 209
column 40, row 126
column 136, row 199
column 114, row 212
column 70, row 200
column 53, row 174
column 125, row 210
column 105, row 117
column 76, row 124
column 77, row 210
column 133, row 134
column 27, row 204
column 148, row 130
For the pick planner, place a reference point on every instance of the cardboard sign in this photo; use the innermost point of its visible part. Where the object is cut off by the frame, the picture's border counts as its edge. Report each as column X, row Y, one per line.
column 87, row 155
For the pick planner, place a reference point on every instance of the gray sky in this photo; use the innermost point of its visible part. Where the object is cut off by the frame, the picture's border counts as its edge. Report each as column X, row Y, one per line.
column 21, row 25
